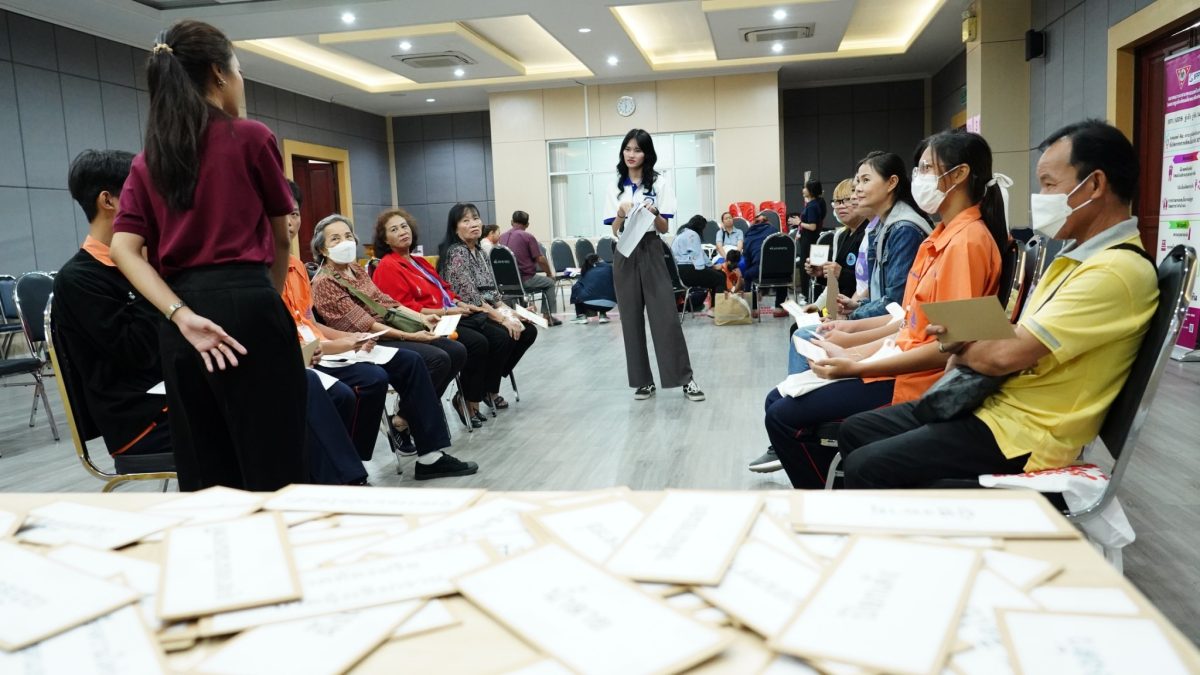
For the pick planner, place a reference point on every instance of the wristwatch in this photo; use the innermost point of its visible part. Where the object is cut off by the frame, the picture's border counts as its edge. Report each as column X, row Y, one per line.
column 174, row 308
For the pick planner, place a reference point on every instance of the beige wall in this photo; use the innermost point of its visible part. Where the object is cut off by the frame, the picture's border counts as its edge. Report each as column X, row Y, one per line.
column 742, row 110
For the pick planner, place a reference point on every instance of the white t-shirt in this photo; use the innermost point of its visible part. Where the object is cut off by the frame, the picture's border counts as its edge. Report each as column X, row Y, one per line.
column 662, row 196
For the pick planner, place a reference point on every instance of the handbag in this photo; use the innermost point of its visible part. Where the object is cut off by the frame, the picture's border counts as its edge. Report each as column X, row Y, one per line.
column 957, row 394
column 731, row 310
column 388, row 316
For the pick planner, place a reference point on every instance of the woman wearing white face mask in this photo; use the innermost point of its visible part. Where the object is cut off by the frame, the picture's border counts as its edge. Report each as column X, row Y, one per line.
column 960, row 259
column 347, row 300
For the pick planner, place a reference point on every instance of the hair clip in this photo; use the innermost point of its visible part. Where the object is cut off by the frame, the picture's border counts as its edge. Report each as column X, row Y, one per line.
column 160, row 47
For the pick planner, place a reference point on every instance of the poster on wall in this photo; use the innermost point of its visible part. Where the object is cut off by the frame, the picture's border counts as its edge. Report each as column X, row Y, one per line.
column 1179, row 213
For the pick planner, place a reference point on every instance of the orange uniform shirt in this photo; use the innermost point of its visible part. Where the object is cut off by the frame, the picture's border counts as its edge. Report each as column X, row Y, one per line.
column 297, row 296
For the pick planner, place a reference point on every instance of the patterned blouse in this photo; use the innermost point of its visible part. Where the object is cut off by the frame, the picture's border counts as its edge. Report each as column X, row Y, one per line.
column 341, row 310
column 470, row 275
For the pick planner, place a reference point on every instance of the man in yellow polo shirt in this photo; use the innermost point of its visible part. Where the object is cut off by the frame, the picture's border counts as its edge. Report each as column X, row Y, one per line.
column 1078, row 336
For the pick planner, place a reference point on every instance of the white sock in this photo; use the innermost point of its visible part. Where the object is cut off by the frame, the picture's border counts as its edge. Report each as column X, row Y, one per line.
column 429, row 457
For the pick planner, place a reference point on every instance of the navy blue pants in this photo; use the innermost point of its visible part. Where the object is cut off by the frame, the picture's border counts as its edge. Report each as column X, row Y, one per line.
column 369, row 384
column 332, row 459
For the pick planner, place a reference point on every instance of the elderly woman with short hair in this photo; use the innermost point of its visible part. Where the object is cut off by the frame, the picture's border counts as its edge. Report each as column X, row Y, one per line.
column 347, row 300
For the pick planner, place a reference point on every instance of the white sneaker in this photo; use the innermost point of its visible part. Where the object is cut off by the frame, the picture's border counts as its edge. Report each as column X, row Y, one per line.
column 692, row 391
column 579, row 320
column 604, row 318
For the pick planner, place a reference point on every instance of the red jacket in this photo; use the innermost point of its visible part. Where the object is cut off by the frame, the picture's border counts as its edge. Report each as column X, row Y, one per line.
column 406, row 284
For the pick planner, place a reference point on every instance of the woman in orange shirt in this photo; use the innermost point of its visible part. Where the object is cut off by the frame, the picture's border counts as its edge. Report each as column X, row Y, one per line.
column 960, row 259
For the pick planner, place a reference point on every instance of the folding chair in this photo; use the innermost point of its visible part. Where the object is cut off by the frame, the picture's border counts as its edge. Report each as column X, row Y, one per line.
column 773, row 218
column 32, row 293
column 507, row 275
column 826, row 238
column 741, row 224
column 10, row 323
column 677, row 284
column 1012, row 262
column 776, row 265
column 153, row 466
column 1048, row 250
column 604, row 248
column 372, row 265
column 1022, row 281
column 710, row 233
column 561, row 258
column 583, row 248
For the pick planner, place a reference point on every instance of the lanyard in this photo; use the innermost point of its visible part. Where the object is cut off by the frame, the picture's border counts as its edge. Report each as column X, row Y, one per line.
column 445, row 297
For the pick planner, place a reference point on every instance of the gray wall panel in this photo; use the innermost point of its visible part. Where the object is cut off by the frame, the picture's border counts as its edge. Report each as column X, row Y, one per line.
column 32, row 42
column 116, row 63
column 406, row 129
column 467, row 125
column 1119, row 10
column 5, row 50
column 1072, row 86
column 84, row 115
column 468, row 169
column 871, row 133
column 1095, row 58
column 437, row 127
column 12, row 169
column 16, row 232
column 42, row 131
column 439, row 171
column 285, row 105
column 76, row 52
column 121, row 124
column 54, row 235
column 410, row 172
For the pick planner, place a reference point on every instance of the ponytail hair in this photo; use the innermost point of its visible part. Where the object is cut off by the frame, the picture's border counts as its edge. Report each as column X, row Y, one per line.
column 888, row 164
column 955, row 148
column 178, row 71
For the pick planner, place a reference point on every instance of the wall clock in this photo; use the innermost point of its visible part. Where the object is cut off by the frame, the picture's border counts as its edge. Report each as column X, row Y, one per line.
column 626, row 105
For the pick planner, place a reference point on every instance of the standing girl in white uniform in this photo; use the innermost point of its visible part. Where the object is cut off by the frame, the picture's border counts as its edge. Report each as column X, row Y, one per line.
column 640, row 274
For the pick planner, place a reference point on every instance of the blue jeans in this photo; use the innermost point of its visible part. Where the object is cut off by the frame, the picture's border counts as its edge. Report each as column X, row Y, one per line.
column 797, row 363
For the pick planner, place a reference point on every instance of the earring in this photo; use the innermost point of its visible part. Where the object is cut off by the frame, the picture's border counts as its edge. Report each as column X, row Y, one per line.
column 220, row 82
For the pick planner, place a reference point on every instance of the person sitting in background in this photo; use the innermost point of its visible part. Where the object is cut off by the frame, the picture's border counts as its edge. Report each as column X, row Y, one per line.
column 733, row 274
column 465, row 267
column 695, row 269
column 752, row 258
column 960, row 260
column 412, row 281
column 347, row 300
column 593, row 293
column 491, row 237
column 728, row 236
column 1075, row 343
column 530, row 259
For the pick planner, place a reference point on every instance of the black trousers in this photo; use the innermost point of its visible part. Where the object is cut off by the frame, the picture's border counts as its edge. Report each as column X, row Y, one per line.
column 332, row 459
column 504, row 352
column 709, row 277
column 369, row 384
column 444, row 358
column 479, row 359
column 584, row 309
column 890, row 448
column 240, row 427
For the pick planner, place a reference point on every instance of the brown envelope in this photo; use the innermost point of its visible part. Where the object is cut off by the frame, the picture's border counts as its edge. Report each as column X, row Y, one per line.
column 970, row 319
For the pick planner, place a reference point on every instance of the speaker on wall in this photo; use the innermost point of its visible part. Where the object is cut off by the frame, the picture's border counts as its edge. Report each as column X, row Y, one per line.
column 1035, row 44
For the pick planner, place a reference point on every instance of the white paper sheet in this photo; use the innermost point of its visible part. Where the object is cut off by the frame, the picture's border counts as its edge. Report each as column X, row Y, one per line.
column 329, row 590
column 40, row 597
column 1085, row 599
column 9, row 522
column 638, row 222
column 541, row 667
column 895, row 311
column 227, row 565
column 378, row 355
column 536, row 319
column 768, row 530
column 978, row 628
column 317, row 645
column 848, row 511
column 114, row 644
column 1020, row 571
column 140, row 575
column 789, row 665
column 802, row 317
column 432, row 616
column 159, row 389
column 371, row 500
column 326, row 379
column 762, row 588
column 808, row 350
column 312, row 556
column 588, row 620
column 207, row 506
column 1070, row 644
column 593, row 531
column 686, row 602
column 827, row 546
column 901, row 598
column 818, row 254
column 447, row 325
column 67, row 522
column 689, row 538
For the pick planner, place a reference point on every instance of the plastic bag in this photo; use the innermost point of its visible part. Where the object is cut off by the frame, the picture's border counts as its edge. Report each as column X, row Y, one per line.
column 731, row 310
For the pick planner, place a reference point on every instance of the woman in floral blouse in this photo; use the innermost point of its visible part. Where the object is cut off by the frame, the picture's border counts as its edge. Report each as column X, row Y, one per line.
column 465, row 266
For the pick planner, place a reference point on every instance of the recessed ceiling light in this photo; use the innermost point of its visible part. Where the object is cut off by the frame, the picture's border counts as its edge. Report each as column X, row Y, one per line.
column 430, row 100
column 406, row 45
column 777, row 47
column 459, row 72
column 348, row 18
column 780, row 14
column 612, row 60
column 585, row 30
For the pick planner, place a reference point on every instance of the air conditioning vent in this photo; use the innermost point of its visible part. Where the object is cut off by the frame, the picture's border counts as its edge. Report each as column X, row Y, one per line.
column 435, row 60
column 778, row 33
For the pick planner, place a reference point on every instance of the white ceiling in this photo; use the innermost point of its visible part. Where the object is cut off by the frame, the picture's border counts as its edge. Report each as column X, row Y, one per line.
column 136, row 24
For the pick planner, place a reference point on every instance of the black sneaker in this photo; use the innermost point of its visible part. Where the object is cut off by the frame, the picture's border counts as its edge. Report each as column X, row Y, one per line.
column 643, row 393
column 402, row 442
column 767, row 463
column 445, row 467
column 692, row 391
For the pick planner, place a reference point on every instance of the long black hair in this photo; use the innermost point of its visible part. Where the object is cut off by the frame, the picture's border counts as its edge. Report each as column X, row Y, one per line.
column 697, row 224
column 457, row 213
column 955, row 148
column 178, row 72
column 888, row 164
column 648, row 173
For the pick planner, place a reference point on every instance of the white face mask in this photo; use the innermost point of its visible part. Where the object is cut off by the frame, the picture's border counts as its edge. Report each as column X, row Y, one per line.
column 1050, row 212
column 344, row 253
column 926, row 193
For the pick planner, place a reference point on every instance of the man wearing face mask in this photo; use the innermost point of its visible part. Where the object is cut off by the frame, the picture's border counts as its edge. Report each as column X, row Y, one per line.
column 1078, row 336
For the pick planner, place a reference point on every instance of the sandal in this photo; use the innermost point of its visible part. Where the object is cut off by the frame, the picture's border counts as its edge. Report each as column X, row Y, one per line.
column 495, row 401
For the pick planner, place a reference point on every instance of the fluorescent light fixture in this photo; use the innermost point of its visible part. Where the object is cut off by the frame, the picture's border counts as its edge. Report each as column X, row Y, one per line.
column 777, row 47
column 430, row 100
column 585, row 30
column 348, row 18
column 459, row 72
column 780, row 14
column 612, row 60
column 405, row 46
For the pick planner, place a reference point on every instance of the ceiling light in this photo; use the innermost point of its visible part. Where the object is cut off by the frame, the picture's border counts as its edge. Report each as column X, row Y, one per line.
column 348, row 18
column 777, row 47
column 430, row 100
column 780, row 14
column 459, row 72
column 585, row 30
column 612, row 60
column 406, row 45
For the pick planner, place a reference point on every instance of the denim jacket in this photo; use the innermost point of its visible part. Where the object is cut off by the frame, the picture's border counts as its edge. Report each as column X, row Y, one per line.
column 890, row 253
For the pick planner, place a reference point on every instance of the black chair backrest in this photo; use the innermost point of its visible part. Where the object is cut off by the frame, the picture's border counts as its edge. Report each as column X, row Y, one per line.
column 673, row 269
column 773, row 219
column 32, row 293
column 71, row 380
column 560, row 256
column 372, row 265
column 8, row 305
column 312, row 268
column 777, row 264
column 583, row 248
column 1048, row 250
column 710, row 233
column 506, row 272
column 1012, row 259
column 741, row 224
column 604, row 249
column 1022, row 284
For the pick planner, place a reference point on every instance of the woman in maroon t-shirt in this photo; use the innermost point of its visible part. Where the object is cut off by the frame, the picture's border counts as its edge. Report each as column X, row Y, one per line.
column 209, row 201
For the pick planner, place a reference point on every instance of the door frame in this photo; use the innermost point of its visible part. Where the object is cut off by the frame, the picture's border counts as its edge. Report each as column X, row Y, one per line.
column 1150, row 23
column 339, row 157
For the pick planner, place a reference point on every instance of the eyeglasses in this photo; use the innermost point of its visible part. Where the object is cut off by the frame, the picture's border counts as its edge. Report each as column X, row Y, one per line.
column 840, row 202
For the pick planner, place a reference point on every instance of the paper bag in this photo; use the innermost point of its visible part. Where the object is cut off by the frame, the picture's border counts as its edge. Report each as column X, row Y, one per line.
column 731, row 310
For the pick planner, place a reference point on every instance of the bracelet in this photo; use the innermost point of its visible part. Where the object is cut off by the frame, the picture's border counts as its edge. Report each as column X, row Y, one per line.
column 174, row 308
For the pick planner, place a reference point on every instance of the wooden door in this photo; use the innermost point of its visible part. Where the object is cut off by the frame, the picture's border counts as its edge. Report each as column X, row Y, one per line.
column 319, row 186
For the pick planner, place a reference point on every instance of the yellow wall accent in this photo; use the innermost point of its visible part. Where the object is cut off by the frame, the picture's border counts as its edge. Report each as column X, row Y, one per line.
column 340, row 158
column 1123, row 39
